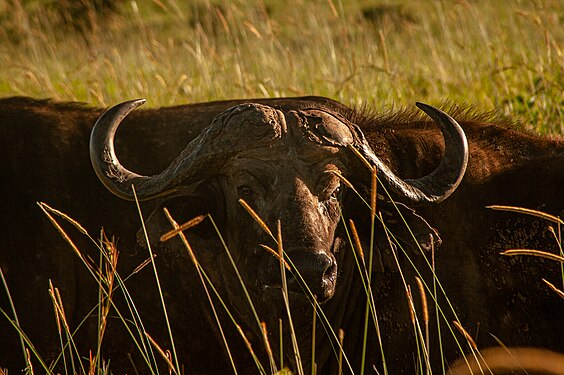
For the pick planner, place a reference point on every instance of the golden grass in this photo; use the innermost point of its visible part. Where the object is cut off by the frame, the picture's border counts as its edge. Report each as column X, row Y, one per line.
column 528, row 211
column 423, row 295
column 489, row 53
column 356, row 240
column 181, row 228
column 373, row 195
column 466, row 335
column 554, row 288
column 163, row 353
column 256, row 217
column 536, row 253
column 277, row 256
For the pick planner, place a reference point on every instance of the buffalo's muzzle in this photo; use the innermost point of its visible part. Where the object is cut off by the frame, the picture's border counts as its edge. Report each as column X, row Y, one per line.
column 316, row 272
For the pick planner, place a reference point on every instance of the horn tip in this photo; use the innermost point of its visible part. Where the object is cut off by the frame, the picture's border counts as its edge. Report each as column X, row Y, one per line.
column 138, row 102
column 425, row 107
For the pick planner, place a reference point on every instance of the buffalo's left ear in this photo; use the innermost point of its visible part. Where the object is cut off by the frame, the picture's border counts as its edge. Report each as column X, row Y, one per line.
column 419, row 230
column 408, row 229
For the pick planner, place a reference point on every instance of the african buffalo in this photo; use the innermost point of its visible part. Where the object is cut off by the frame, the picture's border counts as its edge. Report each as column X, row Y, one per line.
column 293, row 161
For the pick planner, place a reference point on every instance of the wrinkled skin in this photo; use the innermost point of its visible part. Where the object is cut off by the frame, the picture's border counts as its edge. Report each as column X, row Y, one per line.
column 501, row 294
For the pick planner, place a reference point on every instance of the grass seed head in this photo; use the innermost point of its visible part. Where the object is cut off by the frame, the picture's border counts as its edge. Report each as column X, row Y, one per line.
column 466, row 335
column 555, row 289
column 256, row 217
column 356, row 239
column 423, row 300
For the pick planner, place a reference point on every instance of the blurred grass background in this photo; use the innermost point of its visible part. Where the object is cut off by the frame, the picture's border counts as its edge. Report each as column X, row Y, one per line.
column 506, row 55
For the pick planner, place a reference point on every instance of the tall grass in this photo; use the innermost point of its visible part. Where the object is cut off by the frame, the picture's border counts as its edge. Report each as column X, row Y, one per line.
column 493, row 54
column 105, row 273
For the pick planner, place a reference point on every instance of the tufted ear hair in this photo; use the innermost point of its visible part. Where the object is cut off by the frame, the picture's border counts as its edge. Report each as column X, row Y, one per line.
column 403, row 227
column 411, row 229
column 406, row 229
column 182, row 209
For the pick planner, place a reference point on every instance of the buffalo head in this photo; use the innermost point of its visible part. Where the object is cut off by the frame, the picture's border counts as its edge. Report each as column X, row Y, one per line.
column 286, row 165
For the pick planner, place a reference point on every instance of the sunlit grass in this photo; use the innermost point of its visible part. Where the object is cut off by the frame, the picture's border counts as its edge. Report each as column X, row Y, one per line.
column 492, row 54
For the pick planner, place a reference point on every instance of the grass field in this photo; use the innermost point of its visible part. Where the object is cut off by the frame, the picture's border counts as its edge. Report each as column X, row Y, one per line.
column 502, row 55
column 506, row 55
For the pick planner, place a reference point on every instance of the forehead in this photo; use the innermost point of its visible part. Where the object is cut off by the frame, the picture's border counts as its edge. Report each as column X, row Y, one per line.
column 271, row 133
column 281, row 159
column 273, row 141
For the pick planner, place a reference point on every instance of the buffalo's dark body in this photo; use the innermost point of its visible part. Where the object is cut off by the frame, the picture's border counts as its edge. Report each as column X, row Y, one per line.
column 44, row 150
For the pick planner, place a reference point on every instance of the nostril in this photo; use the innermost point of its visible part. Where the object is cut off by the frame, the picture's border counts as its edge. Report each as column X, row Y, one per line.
column 331, row 272
column 318, row 271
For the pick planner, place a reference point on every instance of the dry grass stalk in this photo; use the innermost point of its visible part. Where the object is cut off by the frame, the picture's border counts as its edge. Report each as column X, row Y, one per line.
column 182, row 236
column 48, row 210
column 412, row 312
column 341, row 335
column 169, row 356
column 143, row 264
column 466, row 335
column 557, row 236
column 256, row 217
column 344, row 180
column 74, row 223
column 55, row 305
column 356, row 239
column 279, row 243
column 161, row 352
column 295, row 346
column 246, row 340
column 384, row 50
column 537, row 253
column 60, row 316
column 59, row 308
column 357, row 153
column 268, row 348
column 373, row 192
column 313, row 336
column 275, row 254
column 29, row 365
column 91, row 363
column 189, row 224
column 555, row 289
column 110, row 269
column 425, row 309
column 527, row 211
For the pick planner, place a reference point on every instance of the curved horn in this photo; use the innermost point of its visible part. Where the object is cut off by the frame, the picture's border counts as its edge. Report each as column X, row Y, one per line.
column 253, row 126
column 443, row 181
column 115, row 177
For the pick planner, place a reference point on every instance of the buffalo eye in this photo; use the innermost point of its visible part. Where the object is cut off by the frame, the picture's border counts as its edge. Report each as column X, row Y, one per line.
column 335, row 194
column 245, row 192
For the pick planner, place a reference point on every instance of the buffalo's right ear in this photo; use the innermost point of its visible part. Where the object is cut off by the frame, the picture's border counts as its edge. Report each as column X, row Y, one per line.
column 182, row 209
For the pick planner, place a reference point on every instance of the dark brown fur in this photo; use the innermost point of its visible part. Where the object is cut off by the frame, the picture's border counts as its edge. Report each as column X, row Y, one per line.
column 44, row 150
